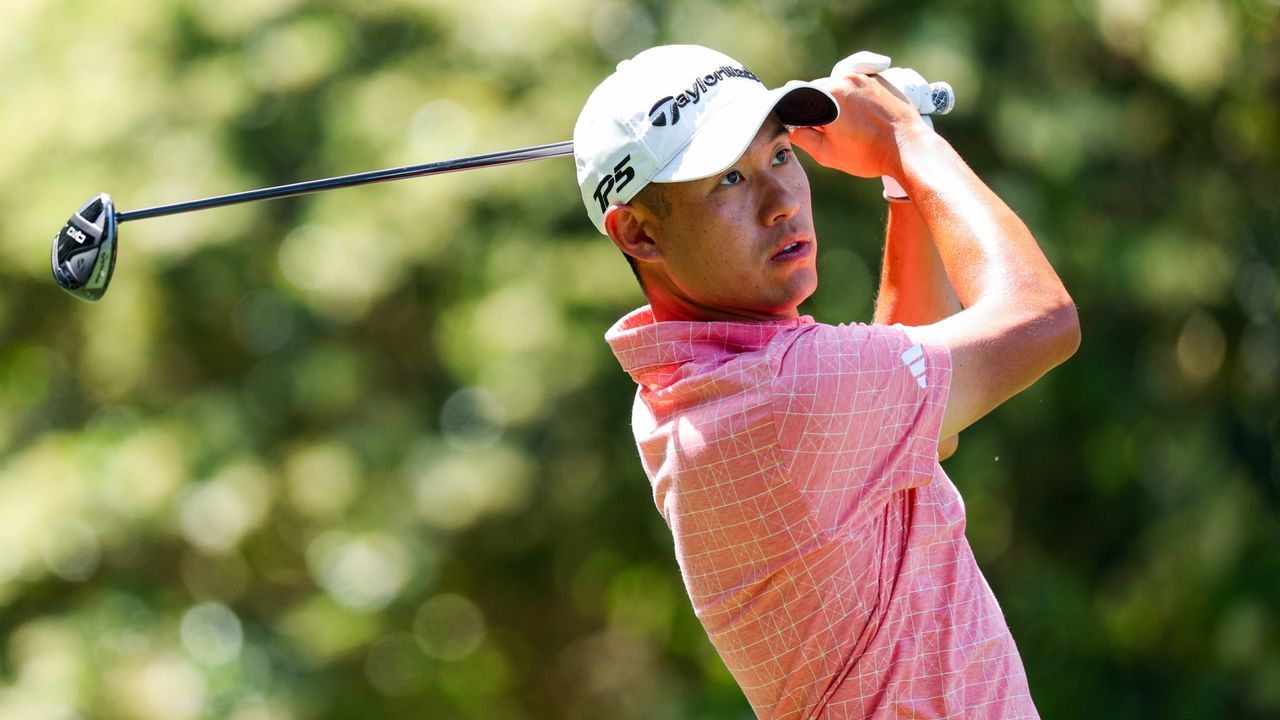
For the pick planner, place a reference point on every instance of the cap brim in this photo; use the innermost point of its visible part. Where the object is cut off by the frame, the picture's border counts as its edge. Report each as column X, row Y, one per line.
column 723, row 138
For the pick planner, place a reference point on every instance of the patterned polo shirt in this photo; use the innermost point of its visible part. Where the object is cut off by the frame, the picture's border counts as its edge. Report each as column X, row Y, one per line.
column 820, row 542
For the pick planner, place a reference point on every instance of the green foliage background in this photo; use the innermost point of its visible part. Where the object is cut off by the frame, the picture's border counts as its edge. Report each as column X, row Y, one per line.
column 365, row 454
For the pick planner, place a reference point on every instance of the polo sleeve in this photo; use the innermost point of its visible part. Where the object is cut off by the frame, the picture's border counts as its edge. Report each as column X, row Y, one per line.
column 858, row 411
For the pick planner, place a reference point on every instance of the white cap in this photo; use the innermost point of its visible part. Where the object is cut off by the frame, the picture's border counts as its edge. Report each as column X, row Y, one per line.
column 676, row 113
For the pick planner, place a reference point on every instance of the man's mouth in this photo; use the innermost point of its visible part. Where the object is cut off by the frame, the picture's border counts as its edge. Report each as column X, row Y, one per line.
column 793, row 250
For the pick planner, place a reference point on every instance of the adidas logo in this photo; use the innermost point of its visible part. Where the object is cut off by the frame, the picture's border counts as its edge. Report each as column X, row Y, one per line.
column 914, row 360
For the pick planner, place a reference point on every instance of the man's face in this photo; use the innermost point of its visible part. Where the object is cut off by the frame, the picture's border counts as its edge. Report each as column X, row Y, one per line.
column 738, row 245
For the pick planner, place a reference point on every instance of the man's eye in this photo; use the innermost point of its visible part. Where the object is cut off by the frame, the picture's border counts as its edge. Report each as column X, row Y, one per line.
column 781, row 156
column 733, row 177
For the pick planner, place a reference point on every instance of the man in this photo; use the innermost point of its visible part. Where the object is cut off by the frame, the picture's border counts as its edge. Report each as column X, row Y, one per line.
column 796, row 463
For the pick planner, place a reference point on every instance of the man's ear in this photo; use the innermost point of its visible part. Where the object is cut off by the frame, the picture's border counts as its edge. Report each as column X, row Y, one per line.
column 626, row 227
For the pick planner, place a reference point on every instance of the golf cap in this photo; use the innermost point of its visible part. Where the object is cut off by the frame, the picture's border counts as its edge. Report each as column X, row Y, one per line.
column 676, row 113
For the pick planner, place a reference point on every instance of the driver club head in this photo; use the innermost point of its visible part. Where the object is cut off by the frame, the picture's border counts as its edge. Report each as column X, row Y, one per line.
column 84, row 251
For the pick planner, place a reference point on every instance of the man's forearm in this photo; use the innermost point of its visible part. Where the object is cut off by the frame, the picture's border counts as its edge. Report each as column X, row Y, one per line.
column 914, row 289
column 988, row 253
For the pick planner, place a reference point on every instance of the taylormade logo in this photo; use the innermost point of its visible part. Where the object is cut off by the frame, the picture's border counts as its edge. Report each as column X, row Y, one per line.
column 667, row 110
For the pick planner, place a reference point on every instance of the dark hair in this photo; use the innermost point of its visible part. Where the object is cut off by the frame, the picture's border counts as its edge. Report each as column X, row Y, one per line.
column 654, row 197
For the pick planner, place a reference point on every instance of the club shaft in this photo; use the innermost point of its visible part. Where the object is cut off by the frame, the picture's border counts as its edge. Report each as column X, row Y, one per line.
column 471, row 162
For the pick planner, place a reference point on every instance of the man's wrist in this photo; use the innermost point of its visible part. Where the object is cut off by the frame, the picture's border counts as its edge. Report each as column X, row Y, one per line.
column 902, row 135
column 914, row 144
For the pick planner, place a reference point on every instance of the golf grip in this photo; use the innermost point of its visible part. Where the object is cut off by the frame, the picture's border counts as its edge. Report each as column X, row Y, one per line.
column 943, row 97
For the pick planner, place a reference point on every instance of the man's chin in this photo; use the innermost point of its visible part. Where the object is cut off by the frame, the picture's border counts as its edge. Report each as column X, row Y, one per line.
column 805, row 286
column 791, row 306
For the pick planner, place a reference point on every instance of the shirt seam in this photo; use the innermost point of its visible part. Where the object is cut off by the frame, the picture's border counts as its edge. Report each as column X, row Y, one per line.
column 774, row 358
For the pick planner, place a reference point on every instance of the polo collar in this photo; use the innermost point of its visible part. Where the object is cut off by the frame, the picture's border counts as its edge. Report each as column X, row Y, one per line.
column 652, row 352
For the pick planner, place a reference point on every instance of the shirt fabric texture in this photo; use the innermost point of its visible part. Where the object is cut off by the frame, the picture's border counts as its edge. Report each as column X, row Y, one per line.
column 820, row 542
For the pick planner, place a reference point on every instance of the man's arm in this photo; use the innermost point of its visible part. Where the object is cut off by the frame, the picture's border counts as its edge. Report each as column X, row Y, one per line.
column 914, row 289
column 1019, row 321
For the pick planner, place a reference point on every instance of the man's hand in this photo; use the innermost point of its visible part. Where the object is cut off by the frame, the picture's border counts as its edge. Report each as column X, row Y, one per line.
column 864, row 141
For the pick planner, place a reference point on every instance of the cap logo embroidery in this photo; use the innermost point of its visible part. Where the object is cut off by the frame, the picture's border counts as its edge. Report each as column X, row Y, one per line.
column 623, row 174
column 667, row 110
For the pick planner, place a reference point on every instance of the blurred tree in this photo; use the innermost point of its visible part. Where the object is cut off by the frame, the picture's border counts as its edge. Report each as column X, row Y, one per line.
column 365, row 454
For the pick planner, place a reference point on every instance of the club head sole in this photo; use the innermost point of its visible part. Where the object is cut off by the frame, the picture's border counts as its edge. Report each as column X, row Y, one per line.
column 84, row 250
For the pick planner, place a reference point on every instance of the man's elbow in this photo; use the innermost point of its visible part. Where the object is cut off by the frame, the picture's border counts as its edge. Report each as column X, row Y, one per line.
column 947, row 447
column 1050, row 333
column 1064, row 323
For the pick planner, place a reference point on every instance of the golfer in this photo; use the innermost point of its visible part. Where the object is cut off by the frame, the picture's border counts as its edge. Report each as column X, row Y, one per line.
column 795, row 462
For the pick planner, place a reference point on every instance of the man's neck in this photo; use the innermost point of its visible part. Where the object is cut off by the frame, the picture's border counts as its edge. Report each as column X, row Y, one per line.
column 667, row 308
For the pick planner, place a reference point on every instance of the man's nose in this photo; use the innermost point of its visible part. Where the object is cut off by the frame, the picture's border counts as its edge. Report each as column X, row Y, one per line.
column 780, row 203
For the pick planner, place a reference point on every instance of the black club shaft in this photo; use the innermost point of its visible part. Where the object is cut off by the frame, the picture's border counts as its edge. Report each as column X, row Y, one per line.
column 471, row 162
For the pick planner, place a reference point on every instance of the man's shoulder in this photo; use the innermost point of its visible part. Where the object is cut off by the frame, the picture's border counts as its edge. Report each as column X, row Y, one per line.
column 846, row 341
column 883, row 357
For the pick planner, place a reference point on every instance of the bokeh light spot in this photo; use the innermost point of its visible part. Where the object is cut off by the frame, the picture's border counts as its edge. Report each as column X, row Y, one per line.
column 338, row 271
column 441, row 129
column 621, row 29
column 1191, row 45
column 1201, row 347
column 362, row 572
column 296, row 55
column 472, row 418
column 217, row 514
column 449, row 627
column 323, row 479
column 160, row 687
column 453, row 490
column 71, row 551
column 395, row 665
column 212, row 633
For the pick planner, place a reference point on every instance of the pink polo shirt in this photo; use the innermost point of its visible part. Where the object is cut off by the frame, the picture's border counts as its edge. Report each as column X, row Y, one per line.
column 821, row 544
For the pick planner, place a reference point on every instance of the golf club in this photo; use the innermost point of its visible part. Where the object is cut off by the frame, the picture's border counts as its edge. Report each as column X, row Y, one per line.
column 84, row 250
